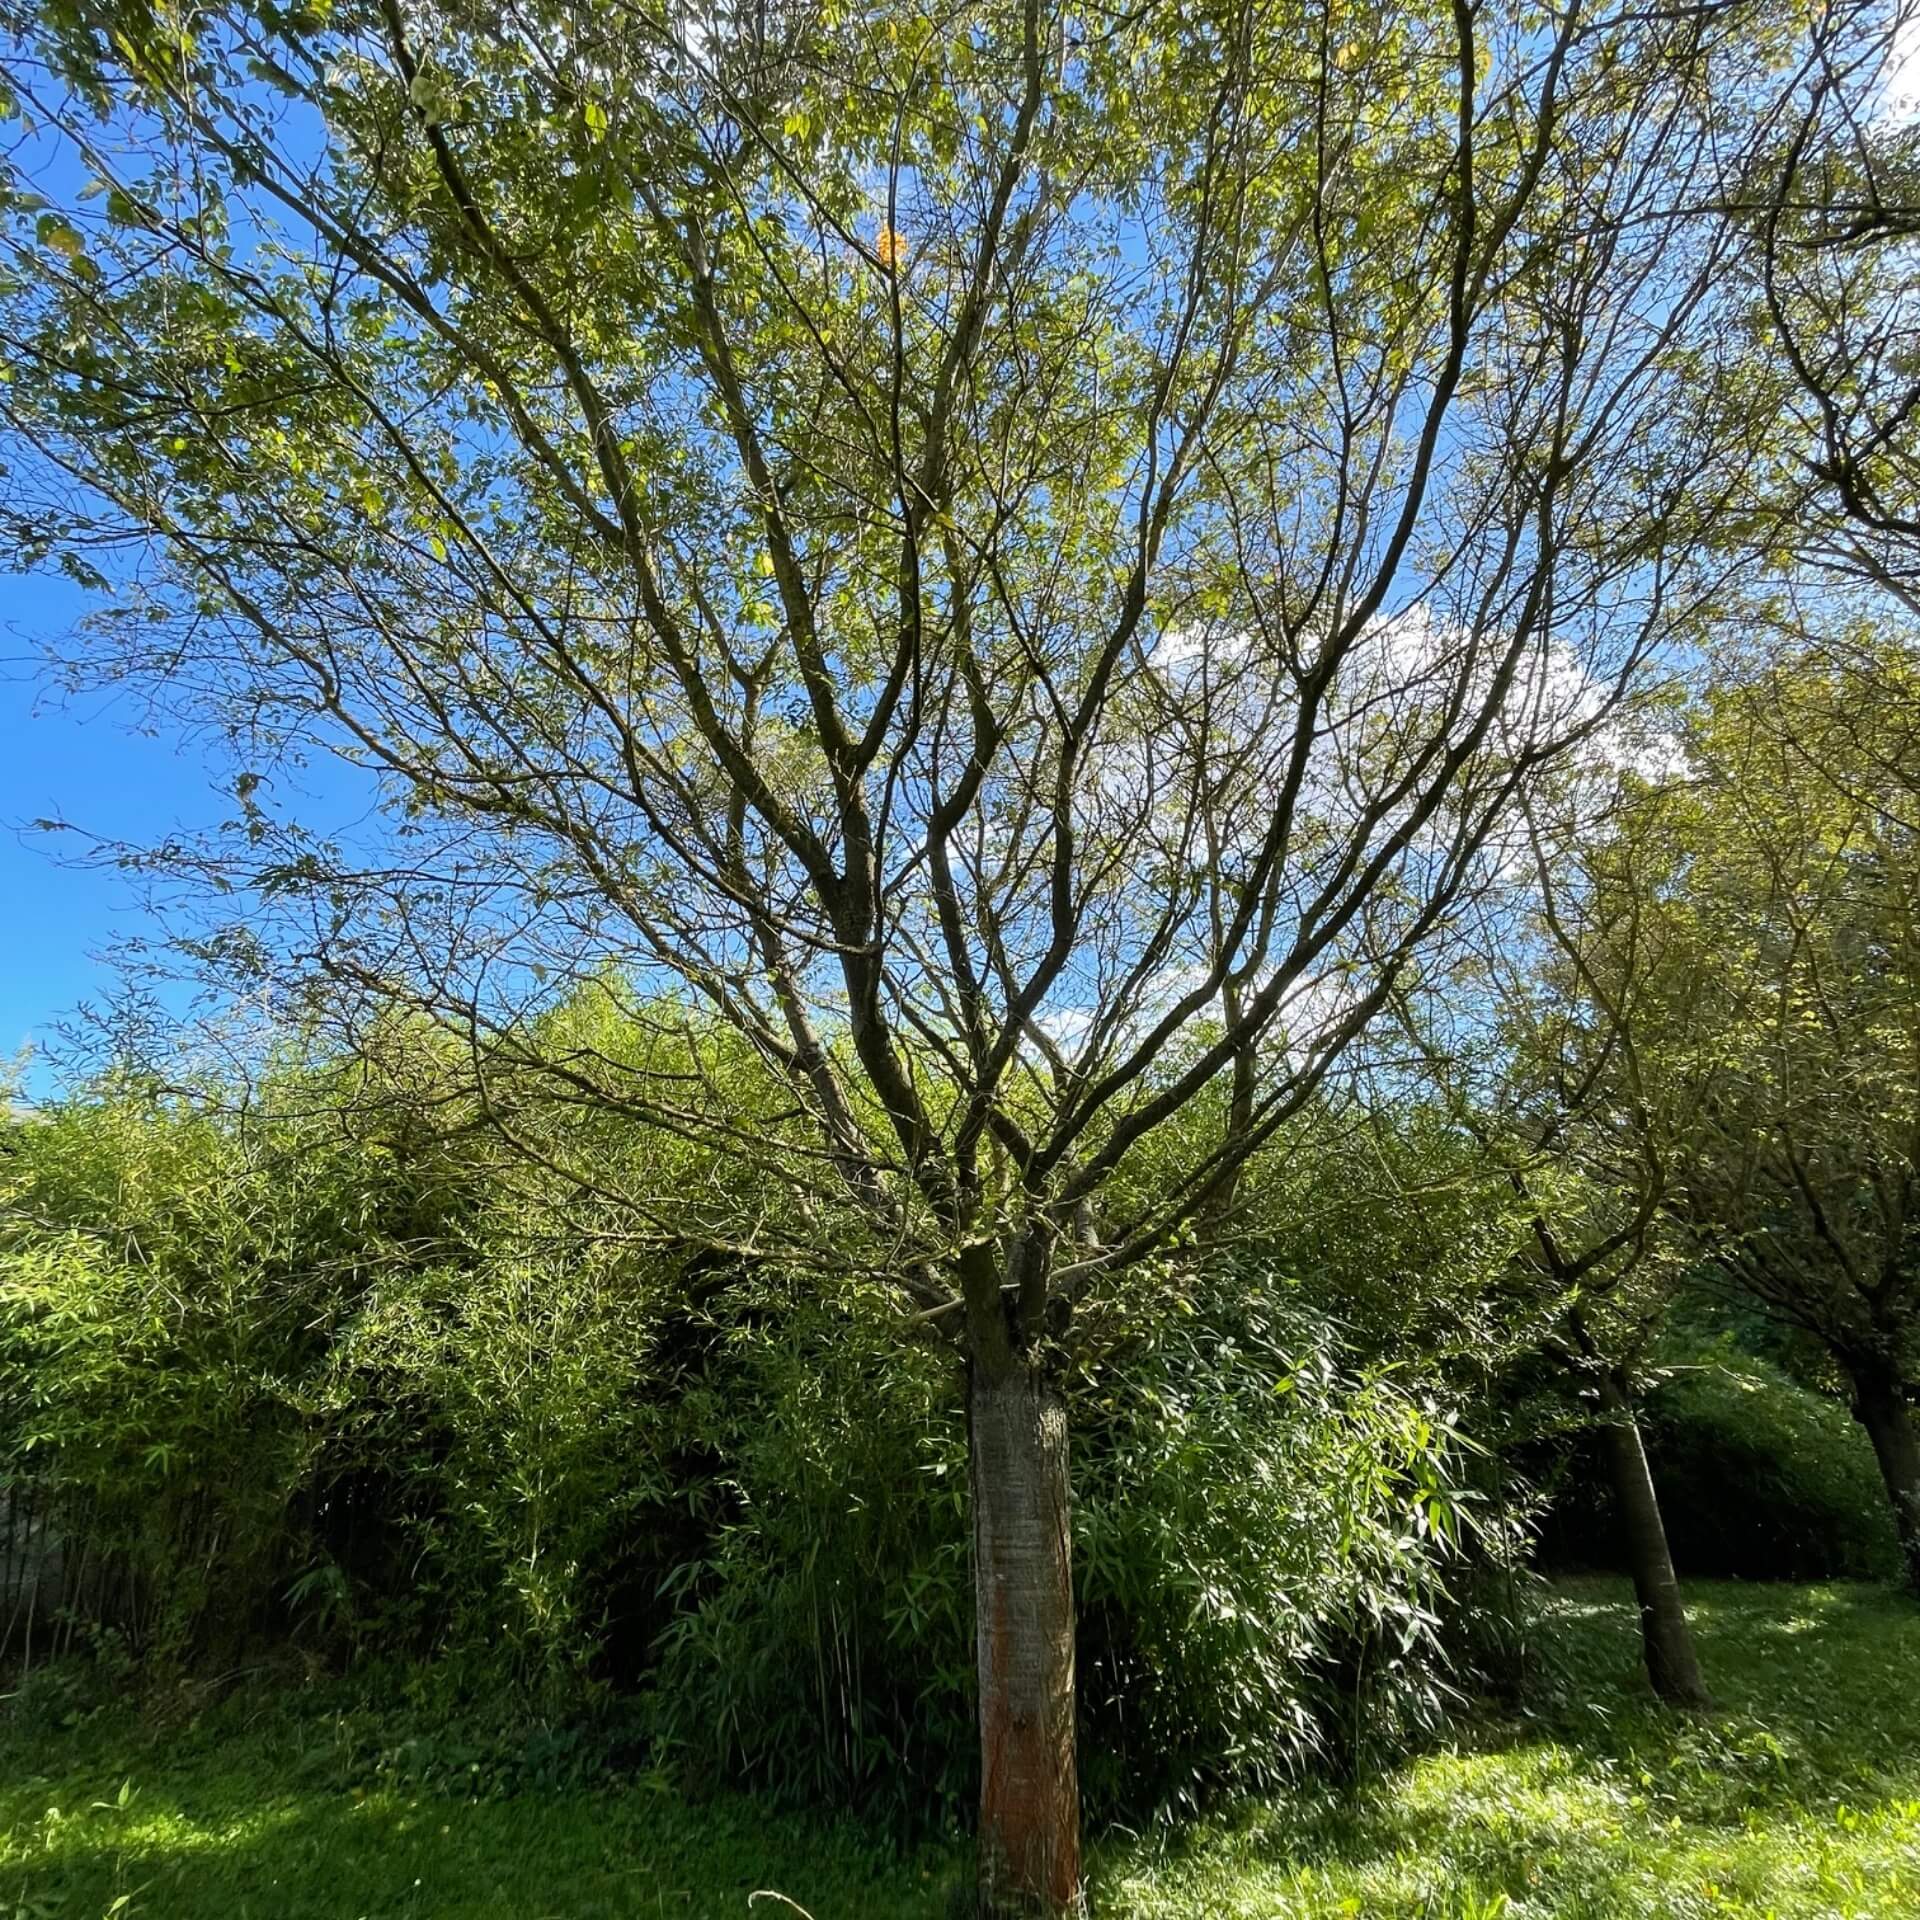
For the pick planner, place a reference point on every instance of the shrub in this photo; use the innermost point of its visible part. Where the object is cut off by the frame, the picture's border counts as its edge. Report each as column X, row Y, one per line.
column 174, row 1273
column 1760, row 1477
column 819, row 1643
column 502, row 1407
column 318, row 1368
column 1262, row 1527
column 1260, row 1530
column 155, row 1442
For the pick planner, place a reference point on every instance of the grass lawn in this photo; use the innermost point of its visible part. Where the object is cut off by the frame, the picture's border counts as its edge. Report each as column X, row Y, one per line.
column 1799, row 1798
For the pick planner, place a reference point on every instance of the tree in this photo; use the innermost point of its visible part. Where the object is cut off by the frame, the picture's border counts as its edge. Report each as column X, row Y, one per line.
column 1834, row 202
column 1778, row 985
column 1553, row 1089
column 1013, row 559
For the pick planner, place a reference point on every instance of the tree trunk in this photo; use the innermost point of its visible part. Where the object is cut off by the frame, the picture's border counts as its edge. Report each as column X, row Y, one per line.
column 1880, row 1407
column 1667, row 1640
column 1023, row 1592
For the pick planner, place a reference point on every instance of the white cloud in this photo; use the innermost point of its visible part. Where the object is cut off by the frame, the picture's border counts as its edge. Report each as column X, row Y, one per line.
column 1899, row 103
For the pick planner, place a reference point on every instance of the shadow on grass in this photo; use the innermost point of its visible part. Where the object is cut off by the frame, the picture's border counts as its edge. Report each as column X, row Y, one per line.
column 1829, row 1677
column 216, row 1848
column 1808, row 1773
column 1599, row 1806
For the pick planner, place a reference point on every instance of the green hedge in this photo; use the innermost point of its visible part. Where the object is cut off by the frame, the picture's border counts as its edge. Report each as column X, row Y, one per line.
column 1760, row 1478
column 311, row 1376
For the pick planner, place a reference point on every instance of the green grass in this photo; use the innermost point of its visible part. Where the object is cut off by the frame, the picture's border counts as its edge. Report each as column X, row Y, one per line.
column 1799, row 1798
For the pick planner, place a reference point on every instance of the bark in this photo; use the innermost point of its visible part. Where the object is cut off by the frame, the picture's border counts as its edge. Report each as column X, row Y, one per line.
column 1029, row 1788
column 1665, row 1637
column 1881, row 1407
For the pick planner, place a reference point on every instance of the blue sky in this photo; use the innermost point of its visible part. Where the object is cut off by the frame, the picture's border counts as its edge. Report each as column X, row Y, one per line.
column 88, row 761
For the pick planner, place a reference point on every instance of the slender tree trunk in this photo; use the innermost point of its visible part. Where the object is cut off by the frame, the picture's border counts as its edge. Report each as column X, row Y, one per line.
column 1667, row 1640
column 1023, row 1591
column 1880, row 1407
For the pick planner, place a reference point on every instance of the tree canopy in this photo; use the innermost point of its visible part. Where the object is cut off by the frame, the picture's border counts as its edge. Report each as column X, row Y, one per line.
column 991, row 581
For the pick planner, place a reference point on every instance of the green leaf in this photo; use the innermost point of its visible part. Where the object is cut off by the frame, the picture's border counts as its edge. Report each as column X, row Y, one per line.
column 53, row 232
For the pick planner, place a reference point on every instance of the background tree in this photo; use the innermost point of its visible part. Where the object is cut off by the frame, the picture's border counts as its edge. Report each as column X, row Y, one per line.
column 1013, row 559
column 1775, row 896
column 1539, row 1057
column 1835, row 207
